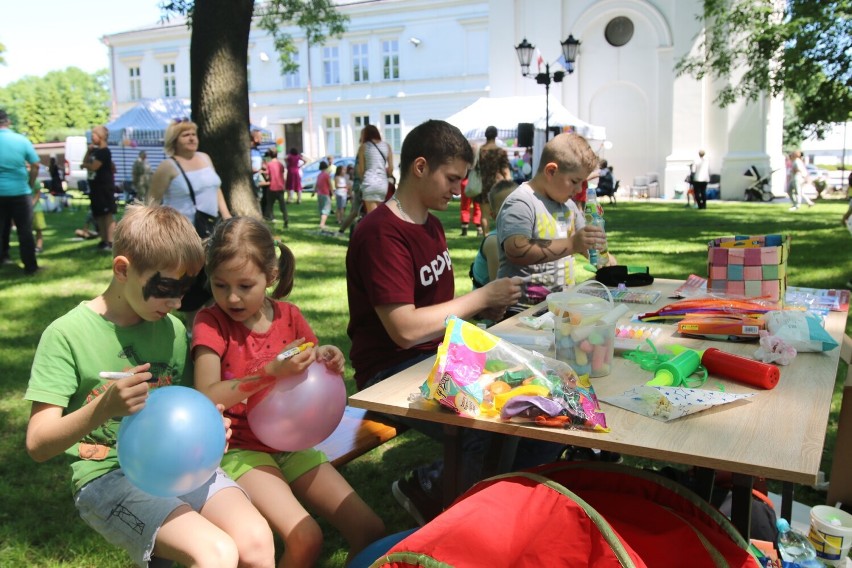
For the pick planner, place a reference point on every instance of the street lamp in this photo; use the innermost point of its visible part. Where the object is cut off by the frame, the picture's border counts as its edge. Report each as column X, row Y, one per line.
column 525, row 52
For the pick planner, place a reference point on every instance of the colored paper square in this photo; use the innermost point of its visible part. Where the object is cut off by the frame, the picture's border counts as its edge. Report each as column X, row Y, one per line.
column 718, row 284
column 736, row 256
column 769, row 271
column 770, row 288
column 752, row 257
column 735, row 272
column 719, row 273
column 782, row 271
column 718, row 256
column 754, row 273
column 753, row 288
column 770, row 255
column 737, row 288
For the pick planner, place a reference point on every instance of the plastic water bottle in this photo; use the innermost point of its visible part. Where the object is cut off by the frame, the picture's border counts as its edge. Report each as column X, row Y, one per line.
column 594, row 217
column 795, row 549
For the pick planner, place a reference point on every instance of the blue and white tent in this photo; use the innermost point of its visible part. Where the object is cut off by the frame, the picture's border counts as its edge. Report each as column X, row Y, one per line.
column 146, row 123
column 143, row 127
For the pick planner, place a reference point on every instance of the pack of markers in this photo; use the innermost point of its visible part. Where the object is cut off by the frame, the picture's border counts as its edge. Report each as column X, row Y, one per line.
column 625, row 295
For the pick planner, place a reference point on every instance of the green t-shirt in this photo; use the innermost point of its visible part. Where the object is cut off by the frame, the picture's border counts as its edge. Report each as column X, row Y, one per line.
column 79, row 345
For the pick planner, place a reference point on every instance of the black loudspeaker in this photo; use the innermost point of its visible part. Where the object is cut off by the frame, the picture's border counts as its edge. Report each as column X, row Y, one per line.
column 525, row 134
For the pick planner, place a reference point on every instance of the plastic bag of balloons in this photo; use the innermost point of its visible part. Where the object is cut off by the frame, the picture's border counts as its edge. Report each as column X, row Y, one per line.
column 478, row 374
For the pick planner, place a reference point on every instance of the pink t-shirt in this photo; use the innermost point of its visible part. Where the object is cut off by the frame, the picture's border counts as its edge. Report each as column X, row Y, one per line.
column 244, row 352
column 392, row 262
column 276, row 175
column 323, row 183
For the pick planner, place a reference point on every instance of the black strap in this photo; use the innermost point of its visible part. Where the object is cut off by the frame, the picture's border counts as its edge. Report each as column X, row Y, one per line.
column 380, row 152
column 189, row 185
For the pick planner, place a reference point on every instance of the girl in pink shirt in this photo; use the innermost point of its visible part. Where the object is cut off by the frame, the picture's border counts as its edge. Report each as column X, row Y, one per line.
column 323, row 189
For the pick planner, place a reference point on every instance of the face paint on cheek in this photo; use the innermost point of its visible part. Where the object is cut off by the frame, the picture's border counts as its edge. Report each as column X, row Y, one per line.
column 162, row 288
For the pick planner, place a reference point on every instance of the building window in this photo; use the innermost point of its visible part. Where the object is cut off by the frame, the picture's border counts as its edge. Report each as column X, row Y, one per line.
column 360, row 121
column 390, row 59
column 330, row 66
column 135, row 84
column 393, row 131
column 169, row 88
column 360, row 63
column 291, row 80
column 333, row 138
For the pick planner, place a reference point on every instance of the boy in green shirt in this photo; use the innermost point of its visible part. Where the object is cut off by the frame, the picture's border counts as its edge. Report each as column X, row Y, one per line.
column 157, row 254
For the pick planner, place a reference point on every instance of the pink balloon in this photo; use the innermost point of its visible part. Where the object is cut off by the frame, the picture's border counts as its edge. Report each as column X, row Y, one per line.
column 298, row 412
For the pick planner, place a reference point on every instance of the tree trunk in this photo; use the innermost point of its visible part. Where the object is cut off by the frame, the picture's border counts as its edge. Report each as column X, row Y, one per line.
column 219, row 86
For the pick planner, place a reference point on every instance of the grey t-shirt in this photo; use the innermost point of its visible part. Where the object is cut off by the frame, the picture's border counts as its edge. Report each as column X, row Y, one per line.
column 535, row 216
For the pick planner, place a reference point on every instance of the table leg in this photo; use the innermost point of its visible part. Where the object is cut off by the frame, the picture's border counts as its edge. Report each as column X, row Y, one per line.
column 704, row 479
column 500, row 455
column 741, row 503
column 452, row 451
column 787, row 500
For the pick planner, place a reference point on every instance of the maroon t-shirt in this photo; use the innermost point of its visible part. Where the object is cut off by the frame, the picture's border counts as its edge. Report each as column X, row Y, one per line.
column 244, row 352
column 392, row 262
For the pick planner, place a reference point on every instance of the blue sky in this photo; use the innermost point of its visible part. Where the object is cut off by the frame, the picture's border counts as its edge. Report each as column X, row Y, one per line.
column 50, row 35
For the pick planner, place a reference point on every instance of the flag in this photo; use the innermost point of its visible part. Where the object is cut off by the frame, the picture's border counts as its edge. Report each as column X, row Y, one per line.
column 538, row 59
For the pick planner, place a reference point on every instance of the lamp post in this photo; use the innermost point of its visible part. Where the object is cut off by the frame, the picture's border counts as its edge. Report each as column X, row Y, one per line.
column 525, row 52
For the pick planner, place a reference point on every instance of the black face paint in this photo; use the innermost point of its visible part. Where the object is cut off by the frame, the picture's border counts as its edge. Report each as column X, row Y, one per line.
column 163, row 288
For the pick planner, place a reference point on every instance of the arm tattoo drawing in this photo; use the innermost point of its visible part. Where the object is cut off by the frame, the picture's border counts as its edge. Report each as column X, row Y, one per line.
column 549, row 252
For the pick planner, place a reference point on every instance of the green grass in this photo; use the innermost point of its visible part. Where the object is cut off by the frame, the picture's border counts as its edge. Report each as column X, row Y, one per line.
column 38, row 523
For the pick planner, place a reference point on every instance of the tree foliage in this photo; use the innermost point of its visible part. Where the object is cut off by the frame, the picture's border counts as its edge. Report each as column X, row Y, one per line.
column 799, row 48
column 218, row 68
column 59, row 104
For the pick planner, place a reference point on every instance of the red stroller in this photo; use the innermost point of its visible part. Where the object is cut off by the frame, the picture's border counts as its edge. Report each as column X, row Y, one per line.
column 760, row 189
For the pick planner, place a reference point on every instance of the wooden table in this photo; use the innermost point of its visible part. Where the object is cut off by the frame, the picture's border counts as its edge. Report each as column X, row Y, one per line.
column 777, row 434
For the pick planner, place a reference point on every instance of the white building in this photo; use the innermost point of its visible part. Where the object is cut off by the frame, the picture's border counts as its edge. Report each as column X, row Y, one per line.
column 401, row 62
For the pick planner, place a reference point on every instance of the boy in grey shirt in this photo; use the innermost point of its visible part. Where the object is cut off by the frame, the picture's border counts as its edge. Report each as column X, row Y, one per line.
column 540, row 226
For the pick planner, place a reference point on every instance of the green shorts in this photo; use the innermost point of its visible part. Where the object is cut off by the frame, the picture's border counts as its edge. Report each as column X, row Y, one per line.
column 293, row 465
column 39, row 223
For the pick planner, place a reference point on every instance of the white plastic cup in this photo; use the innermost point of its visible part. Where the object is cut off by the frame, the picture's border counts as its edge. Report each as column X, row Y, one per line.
column 831, row 534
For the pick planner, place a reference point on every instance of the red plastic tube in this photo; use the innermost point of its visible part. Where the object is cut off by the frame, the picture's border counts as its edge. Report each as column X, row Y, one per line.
column 740, row 369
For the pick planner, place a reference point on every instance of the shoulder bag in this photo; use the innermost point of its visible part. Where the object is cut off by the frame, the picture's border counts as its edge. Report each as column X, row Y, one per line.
column 474, row 180
column 203, row 222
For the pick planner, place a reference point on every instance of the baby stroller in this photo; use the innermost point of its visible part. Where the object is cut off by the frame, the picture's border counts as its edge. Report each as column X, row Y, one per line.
column 760, row 189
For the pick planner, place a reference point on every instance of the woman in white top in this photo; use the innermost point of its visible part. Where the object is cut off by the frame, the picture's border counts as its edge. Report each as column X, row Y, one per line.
column 800, row 178
column 341, row 193
column 374, row 164
column 169, row 187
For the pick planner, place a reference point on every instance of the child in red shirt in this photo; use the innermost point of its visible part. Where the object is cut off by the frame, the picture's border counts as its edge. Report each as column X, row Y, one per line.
column 323, row 189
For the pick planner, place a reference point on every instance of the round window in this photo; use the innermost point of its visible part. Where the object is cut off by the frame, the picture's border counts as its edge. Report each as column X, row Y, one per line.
column 618, row 31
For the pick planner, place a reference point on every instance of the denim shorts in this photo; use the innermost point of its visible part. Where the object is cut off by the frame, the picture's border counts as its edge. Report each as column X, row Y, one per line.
column 324, row 204
column 129, row 518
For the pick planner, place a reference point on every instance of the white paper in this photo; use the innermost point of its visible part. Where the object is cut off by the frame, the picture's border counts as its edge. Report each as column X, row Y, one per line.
column 669, row 403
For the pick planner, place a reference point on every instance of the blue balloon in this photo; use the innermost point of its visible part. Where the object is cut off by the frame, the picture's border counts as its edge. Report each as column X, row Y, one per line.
column 174, row 444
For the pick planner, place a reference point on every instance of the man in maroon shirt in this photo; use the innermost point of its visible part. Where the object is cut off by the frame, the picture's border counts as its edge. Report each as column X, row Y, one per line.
column 401, row 290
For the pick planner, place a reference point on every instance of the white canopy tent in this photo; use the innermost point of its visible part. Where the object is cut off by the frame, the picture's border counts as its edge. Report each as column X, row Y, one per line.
column 506, row 112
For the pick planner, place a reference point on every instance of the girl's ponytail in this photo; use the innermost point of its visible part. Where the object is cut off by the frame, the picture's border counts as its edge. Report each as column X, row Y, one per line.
column 286, row 271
